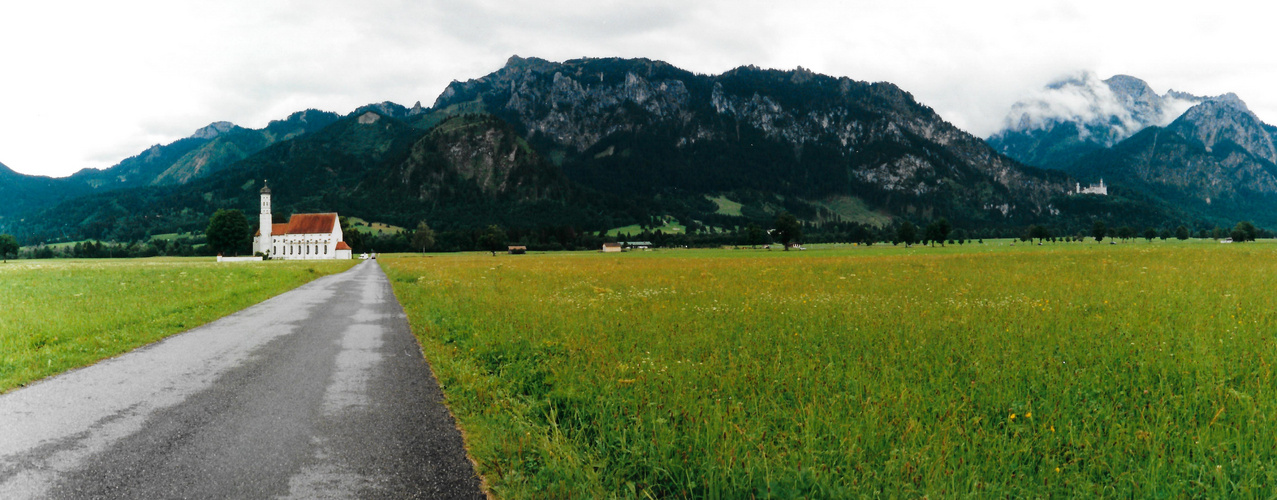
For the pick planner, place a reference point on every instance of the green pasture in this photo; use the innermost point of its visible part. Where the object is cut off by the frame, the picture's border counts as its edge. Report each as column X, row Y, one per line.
column 56, row 315
column 668, row 226
column 986, row 371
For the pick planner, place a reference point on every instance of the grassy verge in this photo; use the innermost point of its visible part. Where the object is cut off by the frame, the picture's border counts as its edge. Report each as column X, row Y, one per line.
column 56, row 315
column 993, row 371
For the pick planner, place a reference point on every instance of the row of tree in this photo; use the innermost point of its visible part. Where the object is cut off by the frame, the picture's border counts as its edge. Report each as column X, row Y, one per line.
column 230, row 233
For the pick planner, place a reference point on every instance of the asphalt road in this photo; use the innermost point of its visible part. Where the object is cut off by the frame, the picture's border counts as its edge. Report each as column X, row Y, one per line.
column 321, row 392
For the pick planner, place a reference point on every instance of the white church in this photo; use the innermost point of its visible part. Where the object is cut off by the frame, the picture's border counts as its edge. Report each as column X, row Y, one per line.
column 305, row 236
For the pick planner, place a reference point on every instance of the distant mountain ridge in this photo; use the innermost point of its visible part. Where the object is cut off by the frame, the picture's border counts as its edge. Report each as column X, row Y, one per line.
column 208, row 150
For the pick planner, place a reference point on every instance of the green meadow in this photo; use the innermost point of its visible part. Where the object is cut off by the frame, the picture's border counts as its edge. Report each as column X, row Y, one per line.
column 56, row 315
column 1079, row 370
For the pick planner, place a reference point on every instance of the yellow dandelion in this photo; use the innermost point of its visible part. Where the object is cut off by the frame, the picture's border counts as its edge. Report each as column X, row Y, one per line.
column 1012, row 416
column 1028, row 415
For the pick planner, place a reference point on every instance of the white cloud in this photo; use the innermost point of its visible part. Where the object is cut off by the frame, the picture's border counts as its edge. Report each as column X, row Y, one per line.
column 87, row 85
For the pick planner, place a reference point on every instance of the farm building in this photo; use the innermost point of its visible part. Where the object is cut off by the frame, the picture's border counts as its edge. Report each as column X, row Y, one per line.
column 611, row 247
column 517, row 249
column 304, row 236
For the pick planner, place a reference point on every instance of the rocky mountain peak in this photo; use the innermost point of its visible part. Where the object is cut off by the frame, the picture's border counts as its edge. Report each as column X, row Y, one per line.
column 1226, row 118
column 1131, row 86
column 213, row 130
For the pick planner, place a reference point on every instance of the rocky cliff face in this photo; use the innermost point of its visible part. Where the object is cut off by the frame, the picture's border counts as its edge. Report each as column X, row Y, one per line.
column 798, row 132
column 1075, row 116
column 479, row 154
column 1226, row 119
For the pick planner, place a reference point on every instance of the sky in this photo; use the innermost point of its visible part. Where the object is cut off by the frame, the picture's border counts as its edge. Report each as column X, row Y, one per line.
column 85, row 84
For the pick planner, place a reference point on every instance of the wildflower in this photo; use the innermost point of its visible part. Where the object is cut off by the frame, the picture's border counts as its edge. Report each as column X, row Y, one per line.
column 1012, row 416
column 1028, row 415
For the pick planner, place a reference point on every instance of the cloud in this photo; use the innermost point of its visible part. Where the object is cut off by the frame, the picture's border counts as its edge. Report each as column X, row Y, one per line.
column 1117, row 108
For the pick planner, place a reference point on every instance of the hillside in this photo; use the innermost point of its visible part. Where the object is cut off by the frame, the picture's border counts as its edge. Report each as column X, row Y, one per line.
column 26, row 193
column 791, row 139
column 471, row 171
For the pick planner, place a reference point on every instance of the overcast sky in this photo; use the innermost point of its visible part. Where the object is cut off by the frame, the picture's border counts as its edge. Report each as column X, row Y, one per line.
column 87, row 84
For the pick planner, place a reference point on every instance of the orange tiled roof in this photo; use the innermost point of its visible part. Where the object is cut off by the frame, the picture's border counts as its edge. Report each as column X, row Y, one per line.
column 310, row 224
column 304, row 224
column 341, row 245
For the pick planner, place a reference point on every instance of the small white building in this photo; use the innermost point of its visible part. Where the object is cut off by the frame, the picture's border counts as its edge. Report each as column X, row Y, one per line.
column 304, row 237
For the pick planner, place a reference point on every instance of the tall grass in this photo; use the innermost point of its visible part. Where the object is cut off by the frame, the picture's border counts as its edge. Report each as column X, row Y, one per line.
column 1079, row 370
column 57, row 315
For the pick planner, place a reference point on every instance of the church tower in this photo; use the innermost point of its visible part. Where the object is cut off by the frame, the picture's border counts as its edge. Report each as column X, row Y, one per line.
column 265, row 243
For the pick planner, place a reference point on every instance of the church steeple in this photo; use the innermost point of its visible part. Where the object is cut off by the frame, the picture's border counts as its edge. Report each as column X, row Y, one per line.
column 265, row 243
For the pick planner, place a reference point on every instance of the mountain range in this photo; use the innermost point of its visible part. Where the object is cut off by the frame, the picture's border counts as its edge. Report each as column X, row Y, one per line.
column 592, row 144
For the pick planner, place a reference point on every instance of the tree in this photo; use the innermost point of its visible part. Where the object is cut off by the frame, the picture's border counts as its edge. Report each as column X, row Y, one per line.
column 8, row 246
column 907, row 233
column 938, row 230
column 1039, row 232
column 1098, row 230
column 423, row 237
column 788, row 229
column 353, row 237
column 1149, row 234
column 1181, row 233
column 228, row 232
column 493, row 239
column 755, row 235
column 1246, row 229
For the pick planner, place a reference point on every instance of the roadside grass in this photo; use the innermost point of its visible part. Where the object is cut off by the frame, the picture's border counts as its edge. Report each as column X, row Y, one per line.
column 56, row 315
column 989, row 370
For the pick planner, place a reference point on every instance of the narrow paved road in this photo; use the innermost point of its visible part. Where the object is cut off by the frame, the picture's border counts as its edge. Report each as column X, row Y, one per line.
column 321, row 392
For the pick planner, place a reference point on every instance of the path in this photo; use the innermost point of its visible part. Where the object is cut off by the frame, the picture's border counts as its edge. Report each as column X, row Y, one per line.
column 321, row 392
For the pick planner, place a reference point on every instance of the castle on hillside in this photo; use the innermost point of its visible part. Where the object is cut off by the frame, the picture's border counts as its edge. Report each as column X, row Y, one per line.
column 1099, row 189
column 305, row 236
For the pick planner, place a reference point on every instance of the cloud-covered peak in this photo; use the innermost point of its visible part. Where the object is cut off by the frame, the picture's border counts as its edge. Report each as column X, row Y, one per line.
column 1103, row 111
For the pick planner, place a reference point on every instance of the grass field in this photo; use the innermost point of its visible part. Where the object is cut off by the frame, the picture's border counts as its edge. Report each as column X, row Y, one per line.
column 669, row 226
column 1076, row 370
column 372, row 228
column 57, row 314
